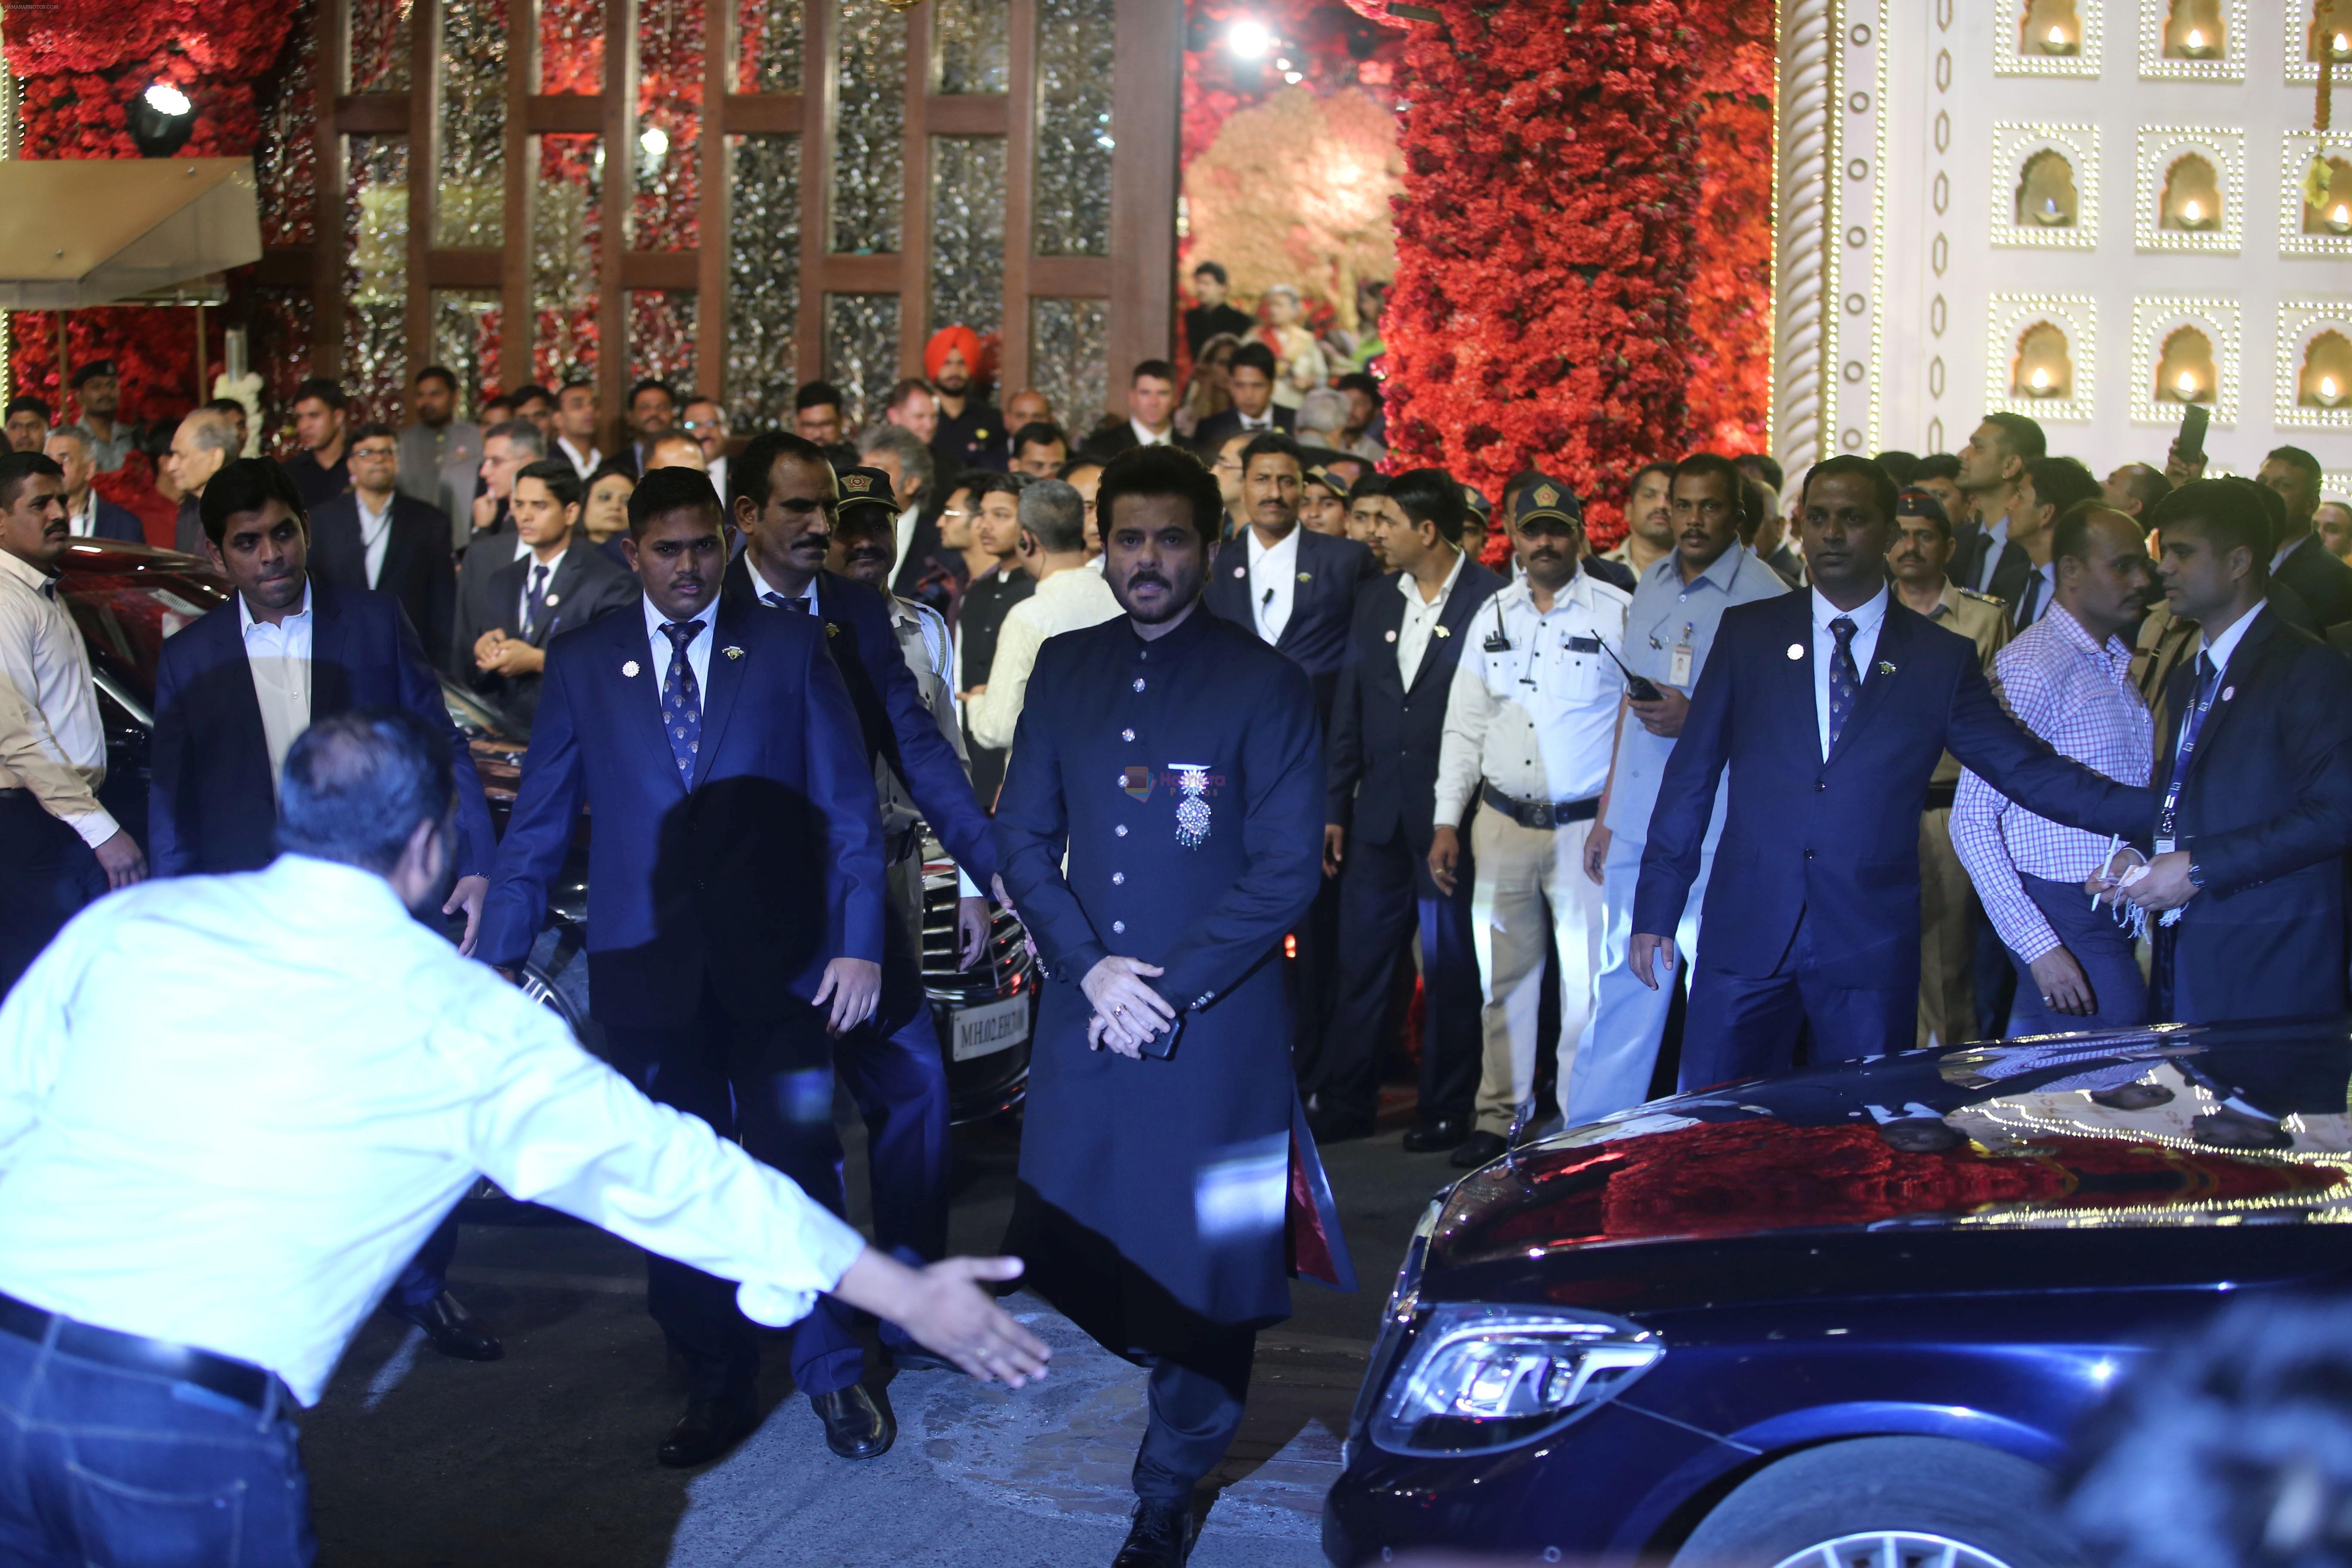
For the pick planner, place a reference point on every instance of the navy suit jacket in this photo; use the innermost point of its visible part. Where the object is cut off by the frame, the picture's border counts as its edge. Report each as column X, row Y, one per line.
column 892, row 720
column 1381, row 759
column 1211, row 433
column 1837, row 842
column 2324, row 583
column 763, row 872
column 417, row 569
column 584, row 587
column 115, row 522
column 212, row 805
column 2266, row 812
column 1322, row 603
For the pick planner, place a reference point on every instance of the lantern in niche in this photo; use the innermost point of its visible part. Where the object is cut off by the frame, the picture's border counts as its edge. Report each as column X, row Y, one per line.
column 2184, row 368
column 2326, row 381
column 2331, row 29
column 2050, row 27
column 2043, row 366
column 2193, row 31
column 2045, row 194
column 2193, row 195
column 2333, row 213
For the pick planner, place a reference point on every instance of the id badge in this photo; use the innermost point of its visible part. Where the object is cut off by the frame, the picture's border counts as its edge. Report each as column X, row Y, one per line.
column 2164, row 845
column 1679, row 667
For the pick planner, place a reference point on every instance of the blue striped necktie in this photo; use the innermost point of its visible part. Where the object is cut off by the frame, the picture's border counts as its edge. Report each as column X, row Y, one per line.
column 682, row 699
column 1845, row 681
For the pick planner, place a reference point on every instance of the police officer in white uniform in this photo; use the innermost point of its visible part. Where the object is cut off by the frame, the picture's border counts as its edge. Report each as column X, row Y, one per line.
column 1529, row 728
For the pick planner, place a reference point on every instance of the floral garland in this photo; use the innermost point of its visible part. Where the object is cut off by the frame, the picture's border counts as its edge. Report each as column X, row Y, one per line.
column 1730, row 387
column 1544, row 244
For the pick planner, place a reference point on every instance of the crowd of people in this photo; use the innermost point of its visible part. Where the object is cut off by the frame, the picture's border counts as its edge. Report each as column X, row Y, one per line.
column 1293, row 791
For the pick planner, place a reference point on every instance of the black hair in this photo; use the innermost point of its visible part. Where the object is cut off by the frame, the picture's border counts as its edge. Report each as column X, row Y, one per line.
column 650, row 384
column 2072, row 534
column 609, row 468
column 1252, row 356
column 357, row 783
column 562, row 480
column 817, row 394
column 15, row 468
column 1154, row 367
column 247, row 484
column 2059, row 482
column 1055, row 515
column 330, row 393
column 439, row 372
column 1735, row 488
column 985, row 483
column 2296, row 457
column 25, row 402
column 1162, row 471
column 1939, row 466
column 752, row 473
column 1214, row 269
column 665, row 490
column 1654, row 466
column 1904, row 466
column 2146, row 486
column 1759, row 465
column 1275, row 443
column 1883, row 488
column 2274, row 507
column 1080, row 461
column 1371, row 485
column 2229, row 513
column 2019, row 436
column 526, row 392
column 1359, row 380
column 1431, row 495
column 1039, row 433
column 571, row 381
column 374, row 430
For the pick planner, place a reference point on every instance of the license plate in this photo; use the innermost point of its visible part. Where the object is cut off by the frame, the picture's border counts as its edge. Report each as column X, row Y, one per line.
column 992, row 1028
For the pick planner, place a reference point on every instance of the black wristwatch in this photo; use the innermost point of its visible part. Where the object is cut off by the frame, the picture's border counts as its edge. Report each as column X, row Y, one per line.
column 2196, row 875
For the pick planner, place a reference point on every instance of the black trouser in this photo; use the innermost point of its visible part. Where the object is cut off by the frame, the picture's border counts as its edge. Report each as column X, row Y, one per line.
column 1315, row 978
column 1385, row 893
column 767, row 1084
column 47, row 875
column 1196, row 1402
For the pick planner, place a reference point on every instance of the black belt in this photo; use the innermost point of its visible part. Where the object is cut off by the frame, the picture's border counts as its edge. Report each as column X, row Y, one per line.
column 1541, row 813
column 237, row 1380
column 1942, row 795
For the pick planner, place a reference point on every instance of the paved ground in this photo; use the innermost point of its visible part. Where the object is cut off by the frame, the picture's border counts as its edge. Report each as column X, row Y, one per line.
column 547, row 1456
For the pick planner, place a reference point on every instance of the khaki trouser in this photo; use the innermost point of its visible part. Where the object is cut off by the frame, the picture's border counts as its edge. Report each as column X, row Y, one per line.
column 1948, row 936
column 1530, row 880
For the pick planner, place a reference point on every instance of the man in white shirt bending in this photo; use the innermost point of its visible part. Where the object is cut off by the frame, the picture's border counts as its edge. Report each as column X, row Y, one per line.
column 199, row 1202
column 1068, row 598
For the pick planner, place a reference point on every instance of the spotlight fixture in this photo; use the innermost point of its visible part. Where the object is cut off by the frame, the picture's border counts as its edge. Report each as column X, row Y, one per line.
column 161, row 120
column 653, row 141
column 1249, row 39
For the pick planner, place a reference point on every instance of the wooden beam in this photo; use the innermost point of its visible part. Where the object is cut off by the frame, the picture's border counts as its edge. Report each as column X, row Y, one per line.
column 518, row 325
column 423, row 174
column 817, row 84
column 915, row 206
column 1072, row 276
column 711, row 221
column 761, row 113
column 324, row 277
column 857, row 274
column 466, row 267
column 966, row 114
column 619, row 127
column 1146, row 108
column 1020, row 138
column 563, row 113
column 662, row 269
column 369, row 113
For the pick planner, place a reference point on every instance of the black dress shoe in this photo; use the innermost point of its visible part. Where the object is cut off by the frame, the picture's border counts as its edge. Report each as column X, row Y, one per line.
column 855, row 1427
column 1478, row 1148
column 453, row 1330
column 708, row 1428
column 1337, row 1126
column 1436, row 1137
column 1161, row 1536
column 912, row 1357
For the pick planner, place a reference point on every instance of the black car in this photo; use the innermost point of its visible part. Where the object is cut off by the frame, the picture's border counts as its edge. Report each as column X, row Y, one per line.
column 127, row 598
column 1847, row 1316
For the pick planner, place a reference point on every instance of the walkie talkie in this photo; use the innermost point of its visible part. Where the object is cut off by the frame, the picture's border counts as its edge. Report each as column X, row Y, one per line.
column 1637, row 687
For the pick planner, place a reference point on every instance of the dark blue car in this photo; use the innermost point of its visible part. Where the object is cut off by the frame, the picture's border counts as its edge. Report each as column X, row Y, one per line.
column 1847, row 1316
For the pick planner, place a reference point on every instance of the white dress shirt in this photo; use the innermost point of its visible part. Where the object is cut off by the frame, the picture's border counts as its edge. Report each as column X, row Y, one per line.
column 905, row 530
column 762, row 589
column 1536, row 718
column 1866, row 621
column 1421, row 618
column 375, row 533
column 42, row 657
column 582, row 464
column 698, row 648
column 1273, row 580
column 179, row 1163
column 1145, row 436
column 279, row 659
column 82, row 523
column 717, row 471
column 1068, row 601
column 1996, row 540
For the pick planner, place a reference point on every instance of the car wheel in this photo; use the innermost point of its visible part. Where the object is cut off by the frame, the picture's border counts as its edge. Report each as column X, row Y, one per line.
column 1885, row 1502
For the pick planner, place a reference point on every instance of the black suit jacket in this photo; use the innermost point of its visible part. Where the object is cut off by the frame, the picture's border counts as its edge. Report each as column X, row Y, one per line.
column 488, row 553
column 584, row 587
column 1322, row 602
column 417, row 570
column 2324, row 583
column 1381, row 765
column 2265, row 812
column 1211, row 433
column 119, row 524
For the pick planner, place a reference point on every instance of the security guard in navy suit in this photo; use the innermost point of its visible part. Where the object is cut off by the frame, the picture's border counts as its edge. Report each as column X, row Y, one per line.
column 1159, row 828
column 1386, row 727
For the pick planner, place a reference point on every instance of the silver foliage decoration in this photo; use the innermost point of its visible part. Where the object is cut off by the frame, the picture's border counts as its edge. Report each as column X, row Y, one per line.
column 1071, row 193
column 1067, row 341
column 971, row 45
column 763, row 277
column 967, row 207
column 661, row 336
column 768, row 35
column 375, row 271
column 869, row 156
column 861, row 350
column 567, row 238
column 464, row 337
column 470, row 194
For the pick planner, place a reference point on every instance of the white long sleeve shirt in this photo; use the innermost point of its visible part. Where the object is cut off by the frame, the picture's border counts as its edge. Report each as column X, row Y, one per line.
column 1068, row 601
column 42, row 657
column 242, row 1149
column 1536, row 718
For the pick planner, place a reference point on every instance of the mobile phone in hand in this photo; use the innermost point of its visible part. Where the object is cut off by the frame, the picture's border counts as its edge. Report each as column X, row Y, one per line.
column 2191, row 443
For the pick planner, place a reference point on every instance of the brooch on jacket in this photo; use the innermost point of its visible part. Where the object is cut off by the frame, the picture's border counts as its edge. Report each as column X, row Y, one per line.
column 1193, row 809
column 732, row 652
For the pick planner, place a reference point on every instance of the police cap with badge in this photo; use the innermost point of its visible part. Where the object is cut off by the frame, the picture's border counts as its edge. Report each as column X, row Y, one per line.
column 863, row 487
column 1547, row 501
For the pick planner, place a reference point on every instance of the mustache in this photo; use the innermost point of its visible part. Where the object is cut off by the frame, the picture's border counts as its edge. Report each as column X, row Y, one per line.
column 1146, row 579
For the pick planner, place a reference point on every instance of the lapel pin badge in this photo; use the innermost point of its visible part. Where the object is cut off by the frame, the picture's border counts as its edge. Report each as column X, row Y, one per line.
column 1796, row 651
column 1441, row 631
column 731, row 651
column 832, row 629
column 1885, row 667
column 1306, row 577
column 1241, row 571
column 2228, row 692
column 629, row 670
column 552, row 601
column 1391, row 637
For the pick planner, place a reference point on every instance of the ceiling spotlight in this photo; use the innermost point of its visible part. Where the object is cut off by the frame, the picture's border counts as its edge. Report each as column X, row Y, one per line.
column 161, row 120
column 1249, row 39
column 655, row 142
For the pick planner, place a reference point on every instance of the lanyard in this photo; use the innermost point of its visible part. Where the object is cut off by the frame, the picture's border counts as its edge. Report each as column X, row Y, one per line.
column 2190, row 724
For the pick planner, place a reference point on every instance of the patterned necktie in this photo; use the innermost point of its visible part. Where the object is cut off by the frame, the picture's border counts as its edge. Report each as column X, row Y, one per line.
column 1845, row 682
column 782, row 603
column 682, row 699
column 534, row 604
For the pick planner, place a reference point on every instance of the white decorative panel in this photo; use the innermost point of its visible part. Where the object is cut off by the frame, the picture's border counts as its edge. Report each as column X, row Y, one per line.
column 2010, row 317
column 2294, row 160
column 2302, row 71
column 2014, row 54
column 2163, row 146
column 2301, row 321
column 2154, row 321
column 2015, row 149
column 2227, row 65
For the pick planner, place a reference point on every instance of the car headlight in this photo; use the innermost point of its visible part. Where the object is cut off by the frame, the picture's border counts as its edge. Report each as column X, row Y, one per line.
column 1480, row 1378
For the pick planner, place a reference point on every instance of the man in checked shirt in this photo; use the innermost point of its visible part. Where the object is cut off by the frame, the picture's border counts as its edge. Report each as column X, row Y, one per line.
column 2067, row 678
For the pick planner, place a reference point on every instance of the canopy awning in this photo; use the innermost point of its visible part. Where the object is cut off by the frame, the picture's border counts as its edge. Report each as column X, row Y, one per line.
column 95, row 231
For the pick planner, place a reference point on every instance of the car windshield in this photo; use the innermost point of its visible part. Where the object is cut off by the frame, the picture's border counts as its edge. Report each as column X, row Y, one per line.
column 126, row 616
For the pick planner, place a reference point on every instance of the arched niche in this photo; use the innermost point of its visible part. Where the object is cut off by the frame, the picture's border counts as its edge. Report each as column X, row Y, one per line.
column 2330, row 27
column 2325, row 379
column 2185, row 371
column 2193, row 30
column 2045, row 192
column 2332, row 216
column 2043, row 366
column 2050, row 27
column 2192, row 198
